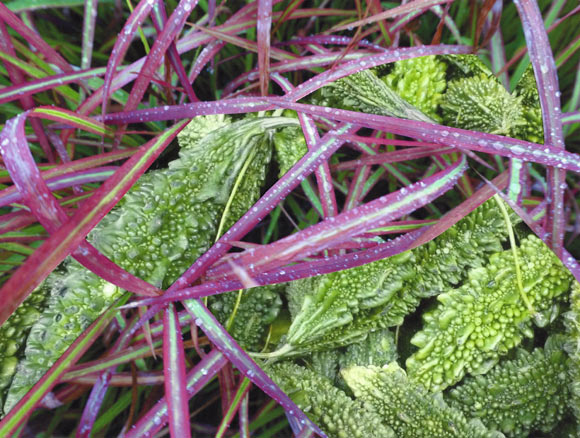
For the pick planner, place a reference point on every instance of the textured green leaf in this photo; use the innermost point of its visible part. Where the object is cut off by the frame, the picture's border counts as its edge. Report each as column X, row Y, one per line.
column 421, row 82
column 76, row 298
column 13, row 334
column 520, row 395
column 366, row 92
column 408, row 408
column 290, row 146
column 483, row 319
column 321, row 305
column 481, row 103
column 527, row 89
column 247, row 314
column 337, row 414
column 377, row 349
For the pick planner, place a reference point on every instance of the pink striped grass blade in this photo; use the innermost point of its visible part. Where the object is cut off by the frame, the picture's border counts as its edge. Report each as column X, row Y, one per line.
column 174, row 371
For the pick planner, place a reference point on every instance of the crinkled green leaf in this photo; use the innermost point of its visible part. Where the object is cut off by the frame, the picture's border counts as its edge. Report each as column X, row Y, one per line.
column 337, row 414
column 408, row 408
column 520, row 395
column 482, row 320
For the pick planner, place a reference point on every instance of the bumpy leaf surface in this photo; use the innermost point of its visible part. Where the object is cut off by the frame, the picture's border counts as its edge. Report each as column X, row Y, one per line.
column 483, row 319
column 408, row 408
column 520, row 395
column 378, row 349
column 527, row 89
column 338, row 415
column 481, row 103
column 366, row 92
column 13, row 335
column 290, row 146
column 247, row 315
column 330, row 301
column 421, row 82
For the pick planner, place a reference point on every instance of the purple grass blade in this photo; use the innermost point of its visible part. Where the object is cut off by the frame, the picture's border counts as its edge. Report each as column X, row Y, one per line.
column 567, row 52
column 244, row 417
column 26, row 101
column 75, row 166
column 361, row 145
column 211, row 8
column 571, row 117
column 287, row 65
column 444, row 135
column 449, row 23
column 412, row 6
column 175, row 380
column 70, row 118
column 32, row 38
column 15, row 221
column 226, row 383
column 97, row 395
column 547, row 80
column 154, row 420
column 240, row 105
column 25, row 175
column 350, row 223
column 289, row 273
column 393, row 157
column 208, row 53
column 112, row 360
column 122, row 43
column 323, row 176
column 159, row 19
column 122, row 379
column 245, row 364
column 290, row 8
column 263, row 26
column 497, row 54
column 57, row 143
column 330, row 39
column 24, row 408
column 61, row 182
column 24, row 89
column 240, row 395
column 355, row 190
column 173, row 26
column 93, row 405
